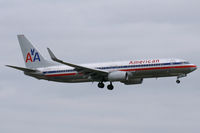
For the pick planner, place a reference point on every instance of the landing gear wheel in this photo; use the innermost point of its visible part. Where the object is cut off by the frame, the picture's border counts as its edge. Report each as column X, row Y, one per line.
column 101, row 85
column 178, row 81
column 110, row 87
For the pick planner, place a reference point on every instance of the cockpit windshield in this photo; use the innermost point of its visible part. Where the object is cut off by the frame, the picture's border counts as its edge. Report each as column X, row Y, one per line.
column 186, row 62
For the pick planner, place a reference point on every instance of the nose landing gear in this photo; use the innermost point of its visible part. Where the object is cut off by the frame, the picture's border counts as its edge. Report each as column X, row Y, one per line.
column 180, row 76
column 178, row 81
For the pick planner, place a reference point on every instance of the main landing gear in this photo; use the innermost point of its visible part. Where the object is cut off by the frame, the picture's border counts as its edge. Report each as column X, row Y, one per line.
column 109, row 87
column 101, row 85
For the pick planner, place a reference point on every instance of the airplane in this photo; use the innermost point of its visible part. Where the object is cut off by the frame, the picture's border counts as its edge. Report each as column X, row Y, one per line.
column 127, row 72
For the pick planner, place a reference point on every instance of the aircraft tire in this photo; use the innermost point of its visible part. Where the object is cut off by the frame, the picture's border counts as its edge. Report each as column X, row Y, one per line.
column 101, row 85
column 178, row 81
column 110, row 87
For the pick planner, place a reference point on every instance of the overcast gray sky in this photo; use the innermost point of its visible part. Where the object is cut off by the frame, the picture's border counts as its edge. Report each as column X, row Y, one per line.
column 85, row 31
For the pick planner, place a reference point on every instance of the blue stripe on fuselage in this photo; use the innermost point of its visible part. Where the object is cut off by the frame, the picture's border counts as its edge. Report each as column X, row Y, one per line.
column 118, row 67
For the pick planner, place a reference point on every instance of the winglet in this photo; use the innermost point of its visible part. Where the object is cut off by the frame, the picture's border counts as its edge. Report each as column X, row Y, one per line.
column 53, row 57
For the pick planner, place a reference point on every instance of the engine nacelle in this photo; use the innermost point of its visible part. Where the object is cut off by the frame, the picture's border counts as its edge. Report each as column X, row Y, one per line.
column 118, row 76
column 133, row 81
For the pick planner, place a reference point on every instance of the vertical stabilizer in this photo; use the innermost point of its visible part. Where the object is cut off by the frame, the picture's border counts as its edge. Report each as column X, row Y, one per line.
column 32, row 57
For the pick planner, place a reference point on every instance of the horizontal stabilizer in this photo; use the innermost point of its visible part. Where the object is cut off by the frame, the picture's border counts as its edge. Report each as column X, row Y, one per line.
column 22, row 69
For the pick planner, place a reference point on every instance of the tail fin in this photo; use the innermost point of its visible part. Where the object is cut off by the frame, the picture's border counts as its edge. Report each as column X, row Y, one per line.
column 32, row 58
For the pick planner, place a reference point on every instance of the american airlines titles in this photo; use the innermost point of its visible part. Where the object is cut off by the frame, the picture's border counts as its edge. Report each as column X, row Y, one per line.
column 144, row 61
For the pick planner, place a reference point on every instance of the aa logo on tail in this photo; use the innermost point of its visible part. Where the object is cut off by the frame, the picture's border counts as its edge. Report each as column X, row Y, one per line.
column 33, row 54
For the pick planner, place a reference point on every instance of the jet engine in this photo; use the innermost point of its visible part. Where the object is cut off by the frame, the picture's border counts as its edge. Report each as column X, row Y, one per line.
column 124, row 77
column 118, row 76
column 133, row 81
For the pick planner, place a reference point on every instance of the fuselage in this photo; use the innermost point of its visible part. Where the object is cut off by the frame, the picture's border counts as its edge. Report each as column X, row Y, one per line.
column 150, row 68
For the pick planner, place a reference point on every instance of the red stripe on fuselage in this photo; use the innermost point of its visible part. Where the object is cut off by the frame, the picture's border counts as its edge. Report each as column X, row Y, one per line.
column 137, row 69
column 157, row 68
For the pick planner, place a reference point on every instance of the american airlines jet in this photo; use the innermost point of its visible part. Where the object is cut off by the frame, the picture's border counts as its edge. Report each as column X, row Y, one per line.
column 127, row 72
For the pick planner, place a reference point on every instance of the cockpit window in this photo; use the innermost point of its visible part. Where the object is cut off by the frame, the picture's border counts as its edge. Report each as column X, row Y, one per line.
column 186, row 62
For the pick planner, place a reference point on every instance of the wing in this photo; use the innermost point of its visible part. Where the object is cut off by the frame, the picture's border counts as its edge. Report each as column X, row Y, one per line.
column 94, row 73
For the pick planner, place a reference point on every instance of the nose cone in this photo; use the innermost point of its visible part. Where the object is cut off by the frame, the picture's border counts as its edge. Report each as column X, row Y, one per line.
column 193, row 68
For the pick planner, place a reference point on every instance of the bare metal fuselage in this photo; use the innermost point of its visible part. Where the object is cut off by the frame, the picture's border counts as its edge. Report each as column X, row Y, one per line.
column 136, row 71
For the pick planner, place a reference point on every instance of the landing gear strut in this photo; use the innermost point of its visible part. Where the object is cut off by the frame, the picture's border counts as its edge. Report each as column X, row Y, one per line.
column 180, row 76
column 110, row 86
column 101, row 85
